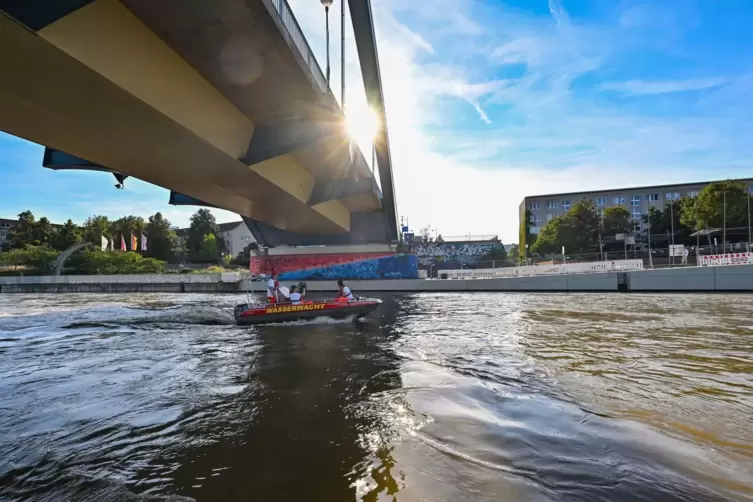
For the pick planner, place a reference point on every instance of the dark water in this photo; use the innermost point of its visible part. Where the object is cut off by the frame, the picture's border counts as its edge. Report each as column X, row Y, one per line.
column 440, row 397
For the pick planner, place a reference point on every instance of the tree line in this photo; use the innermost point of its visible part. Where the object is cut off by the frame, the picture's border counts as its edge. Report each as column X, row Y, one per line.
column 35, row 243
column 723, row 204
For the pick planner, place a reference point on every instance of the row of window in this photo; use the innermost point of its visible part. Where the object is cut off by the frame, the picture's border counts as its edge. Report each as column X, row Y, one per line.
column 635, row 200
column 535, row 218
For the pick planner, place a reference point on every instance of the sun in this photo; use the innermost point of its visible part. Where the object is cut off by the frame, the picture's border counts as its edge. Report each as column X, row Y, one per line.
column 362, row 124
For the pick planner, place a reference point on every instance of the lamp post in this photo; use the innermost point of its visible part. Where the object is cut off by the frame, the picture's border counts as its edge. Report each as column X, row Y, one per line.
column 327, row 4
column 724, row 230
column 672, row 222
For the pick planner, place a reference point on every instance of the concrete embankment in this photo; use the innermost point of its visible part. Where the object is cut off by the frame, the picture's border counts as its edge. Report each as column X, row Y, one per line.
column 737, row 278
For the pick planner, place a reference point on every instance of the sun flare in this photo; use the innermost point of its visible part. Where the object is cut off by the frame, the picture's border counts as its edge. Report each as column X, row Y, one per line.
column 362, row 124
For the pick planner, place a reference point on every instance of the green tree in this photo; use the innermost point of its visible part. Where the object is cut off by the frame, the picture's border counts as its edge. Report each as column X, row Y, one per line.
column 162, row 242
column 616, row 220
column 577, row 230
column 44, row 233
column 709, row 208
column 23, row 233
column 525, row 237
column 203, row 222
column 661, row 221
column 37, row 258
column 95, row 227
column 126, row 226
column 67, row 235
column 209, row 251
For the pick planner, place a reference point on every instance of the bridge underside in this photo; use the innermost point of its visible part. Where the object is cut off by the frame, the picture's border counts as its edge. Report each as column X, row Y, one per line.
column 205, row 99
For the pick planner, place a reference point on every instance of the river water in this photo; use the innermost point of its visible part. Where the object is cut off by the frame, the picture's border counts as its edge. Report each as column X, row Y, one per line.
column 438, row 397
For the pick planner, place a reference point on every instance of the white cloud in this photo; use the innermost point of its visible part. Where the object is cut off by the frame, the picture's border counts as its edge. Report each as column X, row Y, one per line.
column 642, row 88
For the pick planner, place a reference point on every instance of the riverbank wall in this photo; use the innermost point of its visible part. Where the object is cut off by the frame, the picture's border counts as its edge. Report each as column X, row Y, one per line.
column 733, row 278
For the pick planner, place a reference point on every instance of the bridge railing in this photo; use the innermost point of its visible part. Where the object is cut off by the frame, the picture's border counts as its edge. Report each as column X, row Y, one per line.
column 296, row 33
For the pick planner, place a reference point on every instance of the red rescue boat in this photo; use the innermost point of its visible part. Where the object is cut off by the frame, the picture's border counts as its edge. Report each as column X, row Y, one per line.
column 246, row 314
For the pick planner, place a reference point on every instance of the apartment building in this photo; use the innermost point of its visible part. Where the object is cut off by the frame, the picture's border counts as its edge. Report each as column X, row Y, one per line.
column 637, row 200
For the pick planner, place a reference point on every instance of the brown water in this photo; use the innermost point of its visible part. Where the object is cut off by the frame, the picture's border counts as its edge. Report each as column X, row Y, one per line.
column 439, row 397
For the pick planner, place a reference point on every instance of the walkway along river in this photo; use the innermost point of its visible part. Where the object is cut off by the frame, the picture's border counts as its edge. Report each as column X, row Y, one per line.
column 444, row 396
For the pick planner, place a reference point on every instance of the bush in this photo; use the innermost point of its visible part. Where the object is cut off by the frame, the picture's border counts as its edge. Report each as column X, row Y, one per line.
column 38, row 259
column 94, row 262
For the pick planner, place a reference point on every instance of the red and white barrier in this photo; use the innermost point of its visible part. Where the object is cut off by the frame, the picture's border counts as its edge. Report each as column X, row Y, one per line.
column 715, row 260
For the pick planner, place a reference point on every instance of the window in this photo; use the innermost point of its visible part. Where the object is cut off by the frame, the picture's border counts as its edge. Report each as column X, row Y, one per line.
column 619, row 199
column 672, row 195
column 552, row 204
column 601, row 201
column 652, row 197
column 694, row 193
column 635, row 200
column 534, row 218
column 566, row 205
column 637, row 227
column 549, row 217
column 535, row 205
column 636, row 214
column 535, row 230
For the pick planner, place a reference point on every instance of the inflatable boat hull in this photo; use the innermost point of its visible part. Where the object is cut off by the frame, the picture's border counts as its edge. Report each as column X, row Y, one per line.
column 287, row 312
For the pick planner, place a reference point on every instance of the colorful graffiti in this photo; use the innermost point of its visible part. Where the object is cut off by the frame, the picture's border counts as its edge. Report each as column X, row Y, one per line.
column 437, row 254
column 337, row 266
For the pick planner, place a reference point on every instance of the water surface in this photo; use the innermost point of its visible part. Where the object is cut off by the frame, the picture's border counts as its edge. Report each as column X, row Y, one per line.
column 438, row 397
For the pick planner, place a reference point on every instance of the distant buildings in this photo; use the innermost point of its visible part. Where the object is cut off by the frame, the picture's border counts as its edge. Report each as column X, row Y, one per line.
column 637, row 200
column 235, row 234
column 5, row 226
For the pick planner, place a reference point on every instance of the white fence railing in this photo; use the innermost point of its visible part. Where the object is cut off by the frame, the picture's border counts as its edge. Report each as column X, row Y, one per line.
column 715, row 260
column 529, row 270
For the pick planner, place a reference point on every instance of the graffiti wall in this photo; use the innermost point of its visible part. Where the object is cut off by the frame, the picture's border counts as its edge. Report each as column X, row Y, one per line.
column 337, row 266
column 453, row 254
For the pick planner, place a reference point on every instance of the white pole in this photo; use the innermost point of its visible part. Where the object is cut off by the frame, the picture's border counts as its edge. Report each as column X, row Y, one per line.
column 672, row 222
column 724, row 231
column 748, row 194
column 342, row 54
column 650, row 256
column 326, row 23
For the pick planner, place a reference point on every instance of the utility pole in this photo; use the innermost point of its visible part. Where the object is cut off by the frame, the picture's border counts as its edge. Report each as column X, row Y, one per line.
column 672, row 222
column 724, row 230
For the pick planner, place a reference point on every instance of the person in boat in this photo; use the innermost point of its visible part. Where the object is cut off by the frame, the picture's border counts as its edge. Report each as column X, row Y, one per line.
column 272, row 286
column 345, row 293
column 295, row 295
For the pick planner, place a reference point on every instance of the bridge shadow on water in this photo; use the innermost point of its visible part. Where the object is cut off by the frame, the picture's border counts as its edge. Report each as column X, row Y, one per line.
column 302, row 428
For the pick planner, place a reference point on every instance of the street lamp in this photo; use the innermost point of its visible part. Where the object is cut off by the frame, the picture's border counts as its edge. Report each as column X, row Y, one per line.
column 327, row 4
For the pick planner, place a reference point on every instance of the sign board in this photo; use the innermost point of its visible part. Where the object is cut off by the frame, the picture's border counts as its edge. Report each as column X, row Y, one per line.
column 676, row 250
column 620, row 237
column 408, row 238
column 630, row 239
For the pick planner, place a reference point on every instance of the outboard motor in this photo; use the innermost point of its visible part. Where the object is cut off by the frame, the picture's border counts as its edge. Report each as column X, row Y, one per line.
column 302, row 288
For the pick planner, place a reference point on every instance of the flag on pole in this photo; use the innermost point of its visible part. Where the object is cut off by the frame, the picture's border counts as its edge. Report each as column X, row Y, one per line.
column 143, row 242
column 122, row 243
column 104, row 243
column 134, row 242
column 111, row 246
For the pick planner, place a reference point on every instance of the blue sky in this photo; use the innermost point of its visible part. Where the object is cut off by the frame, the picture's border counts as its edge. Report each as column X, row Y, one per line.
column 489, row 101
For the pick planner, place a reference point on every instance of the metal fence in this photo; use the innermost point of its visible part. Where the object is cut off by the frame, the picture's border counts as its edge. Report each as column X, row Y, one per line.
column 296, row 34
column 554, row 269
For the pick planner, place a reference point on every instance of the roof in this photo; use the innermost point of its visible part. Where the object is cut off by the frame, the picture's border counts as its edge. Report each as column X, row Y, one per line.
column 227, row 227
column 649, row 187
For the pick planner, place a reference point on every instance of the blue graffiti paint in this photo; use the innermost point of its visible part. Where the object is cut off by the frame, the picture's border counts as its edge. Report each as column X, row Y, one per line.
column 402, row 266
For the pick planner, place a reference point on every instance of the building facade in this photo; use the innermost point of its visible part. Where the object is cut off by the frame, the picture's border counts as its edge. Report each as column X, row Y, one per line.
column 637, row 200
column 236, row 236
column 5, row 226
